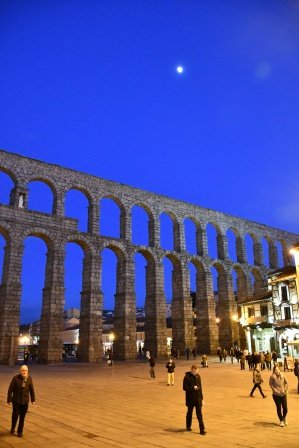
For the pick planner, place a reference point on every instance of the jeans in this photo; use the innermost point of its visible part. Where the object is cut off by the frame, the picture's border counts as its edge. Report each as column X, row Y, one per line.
column 281, row 406
column 19, row 411
column 257, row 386
column 197, row 407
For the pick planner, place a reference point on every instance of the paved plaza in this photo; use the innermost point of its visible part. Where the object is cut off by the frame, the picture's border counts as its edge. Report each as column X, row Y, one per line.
column 83, row 405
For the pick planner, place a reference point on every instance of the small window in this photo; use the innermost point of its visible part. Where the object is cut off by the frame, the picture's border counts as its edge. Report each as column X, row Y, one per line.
column 284, row 293
column 287, row 312
column 264, row 310
column 250, row 312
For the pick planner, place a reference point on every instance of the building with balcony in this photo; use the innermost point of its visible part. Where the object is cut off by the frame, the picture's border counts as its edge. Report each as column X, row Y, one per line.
column 271, row 319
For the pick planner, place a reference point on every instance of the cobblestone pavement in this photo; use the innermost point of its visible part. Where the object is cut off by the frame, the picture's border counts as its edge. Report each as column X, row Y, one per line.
column 83, row 405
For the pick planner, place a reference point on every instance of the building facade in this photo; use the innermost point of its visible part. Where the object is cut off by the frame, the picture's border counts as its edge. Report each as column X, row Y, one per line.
column 271, row 320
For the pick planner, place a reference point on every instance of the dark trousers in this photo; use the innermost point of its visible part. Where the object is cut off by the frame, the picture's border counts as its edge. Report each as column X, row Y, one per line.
column 257, row 386
column 197, row 407
column 152, row 372
column 18, row 411
column 281, row 406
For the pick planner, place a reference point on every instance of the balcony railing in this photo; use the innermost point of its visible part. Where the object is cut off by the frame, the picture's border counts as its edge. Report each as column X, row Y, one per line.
column 256, row 319
column 286, row 323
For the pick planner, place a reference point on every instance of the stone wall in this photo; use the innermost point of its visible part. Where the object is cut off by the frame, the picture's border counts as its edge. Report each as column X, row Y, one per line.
column 17, row 223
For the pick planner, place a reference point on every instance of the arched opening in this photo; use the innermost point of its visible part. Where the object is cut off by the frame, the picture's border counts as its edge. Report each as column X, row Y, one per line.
column 232, row 245
column 76, row 206
column 34, row 261
column 110, row 214
column 168, row 268
column 140, row 226
column 251, row 283
column 249, row 249
column 279, row 250
column 6, row 185
column 190, row 236
column 166, row 232
column 74, row 256
column 40, row 197
column 109, row 290
column 140, row 280
column 2, row 252
column 266, row 255
column 214, row 273
column 212, row 241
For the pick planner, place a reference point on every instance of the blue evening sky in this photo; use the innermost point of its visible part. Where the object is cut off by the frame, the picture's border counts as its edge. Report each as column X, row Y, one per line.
column 92, row 85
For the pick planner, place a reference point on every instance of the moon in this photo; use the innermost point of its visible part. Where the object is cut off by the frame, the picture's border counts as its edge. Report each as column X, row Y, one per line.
column 179, row 69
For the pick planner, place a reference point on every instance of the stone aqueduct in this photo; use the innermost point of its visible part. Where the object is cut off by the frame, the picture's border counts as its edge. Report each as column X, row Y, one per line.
column 17, row 223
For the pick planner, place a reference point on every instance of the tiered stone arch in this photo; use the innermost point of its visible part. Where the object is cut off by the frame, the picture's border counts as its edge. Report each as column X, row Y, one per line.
column 17, row 222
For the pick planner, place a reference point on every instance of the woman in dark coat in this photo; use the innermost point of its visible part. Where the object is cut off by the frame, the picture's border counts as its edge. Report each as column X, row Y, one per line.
column 194, row 398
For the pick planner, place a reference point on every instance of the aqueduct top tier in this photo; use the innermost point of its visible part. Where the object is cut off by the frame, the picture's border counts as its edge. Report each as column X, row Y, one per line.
column 17, row 222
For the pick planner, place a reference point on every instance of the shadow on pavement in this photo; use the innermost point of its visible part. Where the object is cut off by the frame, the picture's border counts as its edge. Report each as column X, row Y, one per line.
column 265, row 424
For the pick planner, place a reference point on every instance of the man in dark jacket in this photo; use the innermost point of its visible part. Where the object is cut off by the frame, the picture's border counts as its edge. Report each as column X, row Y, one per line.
column 18, row 393
column 194, row 398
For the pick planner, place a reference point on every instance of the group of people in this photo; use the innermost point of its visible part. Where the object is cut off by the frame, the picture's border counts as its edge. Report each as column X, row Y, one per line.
column 21, row 390
column 190, row 352
column 263, row 360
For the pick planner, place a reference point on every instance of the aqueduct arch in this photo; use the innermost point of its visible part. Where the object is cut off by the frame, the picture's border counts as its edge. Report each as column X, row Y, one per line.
column 17, row 222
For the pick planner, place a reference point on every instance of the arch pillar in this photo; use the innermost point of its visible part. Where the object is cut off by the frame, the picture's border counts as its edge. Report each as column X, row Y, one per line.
column 222, row 246
column 273, row 256
column 178, row 236
column 154, row 231
column 93, row 217
column 258, row 253
column 58, row 204
column 90, row 348
column 124, row 346
column 182, row 315
column 126, row 225
column 241, row 250
column 227, row 307
column 10, row 299
column 155, row 310
column 51, row 325
column 206, row 326
column 201, row 241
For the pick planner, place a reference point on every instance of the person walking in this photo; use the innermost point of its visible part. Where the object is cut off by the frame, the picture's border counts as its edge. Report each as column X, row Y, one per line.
column 152, row 364
column 274, row 357
column 21, row 386
column 296, row 372
column 194, row 398
column 232, row 354
column 268, row 359
column 187, row 351
column 279, row 386
column 242, row 361
column 170, row 366
column 219, row 353
column 110, row 358
column 257, row 381
column 194, row 353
